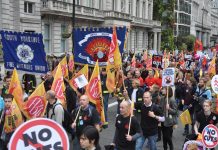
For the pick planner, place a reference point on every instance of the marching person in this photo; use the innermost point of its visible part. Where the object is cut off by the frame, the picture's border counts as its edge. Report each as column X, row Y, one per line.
column 123, row 141
column 170, row 114
column 54, row 108
column 83, row 116
column 89, row 139
column 151, row 115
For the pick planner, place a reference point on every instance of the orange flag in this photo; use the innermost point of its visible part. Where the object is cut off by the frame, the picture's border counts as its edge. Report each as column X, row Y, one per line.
column 71, row 63
column 64, row 67
column 84, row 71
column 212, row 67
column 145, row 55
column 94, row 92
column 117, row 55
column 16, row 90
column 13, row 118
column 133, row 62
column 58, row 85
column 35, row 106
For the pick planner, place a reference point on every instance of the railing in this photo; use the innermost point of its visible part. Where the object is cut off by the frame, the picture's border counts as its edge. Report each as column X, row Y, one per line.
column 65, row 7
column 146, row 21
column 115, row 14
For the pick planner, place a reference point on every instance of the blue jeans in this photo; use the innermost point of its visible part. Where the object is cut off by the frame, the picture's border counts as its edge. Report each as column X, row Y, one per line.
column 105, row 97
column 151, row 142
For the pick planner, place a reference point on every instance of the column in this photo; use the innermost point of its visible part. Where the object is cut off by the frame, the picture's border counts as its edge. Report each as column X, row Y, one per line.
column 146, row 9
column 159, row 41
column 127, row 6
column 133, row 7
column 118, row 7
column 132, row 34
column 140, row 39
column 204, row 39
column 140, row 8
column 208, row 39
column 155, row 41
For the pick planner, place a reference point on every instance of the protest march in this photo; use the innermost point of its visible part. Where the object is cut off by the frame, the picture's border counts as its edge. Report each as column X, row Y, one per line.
column 67, row 107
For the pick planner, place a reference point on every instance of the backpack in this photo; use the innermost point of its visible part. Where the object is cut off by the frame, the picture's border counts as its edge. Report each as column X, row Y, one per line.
column 67, row 118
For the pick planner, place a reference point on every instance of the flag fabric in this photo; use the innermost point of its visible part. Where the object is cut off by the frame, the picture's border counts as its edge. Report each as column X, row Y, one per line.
column 115, row 47
column 94, row 92
column 200, row 73
column 198, row 46
column 156, row 73
column 185, row 117
column 64, row 67
column 84, row 71
column 212, row 67
column 35, row 106
column 13, row 117
column 58, row 85
column 16, row 90
column 71, row 63
column 133, row 62
column 145, row 55
column 114, row 61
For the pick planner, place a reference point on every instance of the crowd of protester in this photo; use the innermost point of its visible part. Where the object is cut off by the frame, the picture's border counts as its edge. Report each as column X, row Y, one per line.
column 156, row 108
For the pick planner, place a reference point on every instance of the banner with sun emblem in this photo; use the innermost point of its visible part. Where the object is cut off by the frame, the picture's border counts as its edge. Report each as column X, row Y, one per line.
column 92, row 44
column 23, row 51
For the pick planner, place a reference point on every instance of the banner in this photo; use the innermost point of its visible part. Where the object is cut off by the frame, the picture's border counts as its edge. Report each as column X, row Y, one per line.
column 94, row 44
column 168, row 77
column 157, row 61
column 189, row 64
column 24, row 51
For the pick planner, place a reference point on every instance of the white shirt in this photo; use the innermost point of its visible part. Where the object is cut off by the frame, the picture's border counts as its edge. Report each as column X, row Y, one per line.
column 133, row 96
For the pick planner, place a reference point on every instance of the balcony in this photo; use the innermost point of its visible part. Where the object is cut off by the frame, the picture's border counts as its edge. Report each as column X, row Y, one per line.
column 66, row 9
column 145, row 22
column 117, row 15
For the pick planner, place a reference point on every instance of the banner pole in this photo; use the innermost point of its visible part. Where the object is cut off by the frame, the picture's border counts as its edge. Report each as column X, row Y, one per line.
column 167, row 100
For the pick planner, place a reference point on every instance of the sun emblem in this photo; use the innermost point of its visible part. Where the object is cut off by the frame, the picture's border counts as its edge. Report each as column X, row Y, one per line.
column 98, row 49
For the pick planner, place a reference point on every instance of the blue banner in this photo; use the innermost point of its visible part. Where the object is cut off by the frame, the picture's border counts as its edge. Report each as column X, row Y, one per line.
column 92, row 44
column 24, row 51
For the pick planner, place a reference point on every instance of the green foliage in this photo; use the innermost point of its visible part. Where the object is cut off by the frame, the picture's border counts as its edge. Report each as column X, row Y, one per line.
column 185, row 40
column 158, row 10
column 167, row 41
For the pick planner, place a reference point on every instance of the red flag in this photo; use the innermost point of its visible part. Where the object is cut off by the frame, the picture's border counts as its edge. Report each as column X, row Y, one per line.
column 71, row 63
column 58, row 85
column 133, row 63
column 94, row 92
column 198, row 46
column 35, row 106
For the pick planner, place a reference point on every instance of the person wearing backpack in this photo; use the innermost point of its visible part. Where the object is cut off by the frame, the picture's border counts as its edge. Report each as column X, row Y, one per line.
column 54, row 110
column 83, row 116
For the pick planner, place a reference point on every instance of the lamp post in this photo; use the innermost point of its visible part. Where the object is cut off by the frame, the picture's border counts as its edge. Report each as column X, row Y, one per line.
column 73, row 25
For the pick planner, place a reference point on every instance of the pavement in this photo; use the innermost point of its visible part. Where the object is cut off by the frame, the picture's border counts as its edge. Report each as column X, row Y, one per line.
column 106, row 136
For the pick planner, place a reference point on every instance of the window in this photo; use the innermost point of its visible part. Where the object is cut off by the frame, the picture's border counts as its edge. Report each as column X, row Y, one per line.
column 130, row 8
column 47, row 38
column 143, row 10
column 28, row 7
column 77, row 2
column 29, row 31
column 63, row 40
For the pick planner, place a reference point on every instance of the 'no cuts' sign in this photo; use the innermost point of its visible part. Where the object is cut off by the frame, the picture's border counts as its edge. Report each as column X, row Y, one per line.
column 210, row 136
column 39, row 134
column 214, row 84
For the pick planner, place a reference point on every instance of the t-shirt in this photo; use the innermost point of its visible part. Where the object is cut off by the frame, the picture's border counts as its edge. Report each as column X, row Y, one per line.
column 122, row 125
column 87, row 116
column 204, row 121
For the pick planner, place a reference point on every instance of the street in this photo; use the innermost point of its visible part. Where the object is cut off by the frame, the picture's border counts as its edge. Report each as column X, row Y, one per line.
column 107, row 135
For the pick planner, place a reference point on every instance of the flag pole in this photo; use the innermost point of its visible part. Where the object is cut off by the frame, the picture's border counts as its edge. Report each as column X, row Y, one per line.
column 131, row 114
column 77, row 115
column 167, row 100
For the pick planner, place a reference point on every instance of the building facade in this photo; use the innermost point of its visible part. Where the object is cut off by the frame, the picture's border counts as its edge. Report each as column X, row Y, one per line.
column 182, row 17
column 204, row 21
column 53, row 18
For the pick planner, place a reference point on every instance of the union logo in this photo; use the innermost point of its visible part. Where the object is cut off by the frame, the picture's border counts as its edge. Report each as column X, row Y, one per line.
column 25, row 53
column 35, row 106
column 94, row 88
column 98, row 49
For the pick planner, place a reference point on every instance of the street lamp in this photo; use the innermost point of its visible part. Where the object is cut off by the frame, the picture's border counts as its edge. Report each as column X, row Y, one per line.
column 73, row 25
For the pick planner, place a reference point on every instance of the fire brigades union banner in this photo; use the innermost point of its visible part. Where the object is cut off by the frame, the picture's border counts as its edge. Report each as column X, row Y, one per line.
column 24, row 51
column 92, row 44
